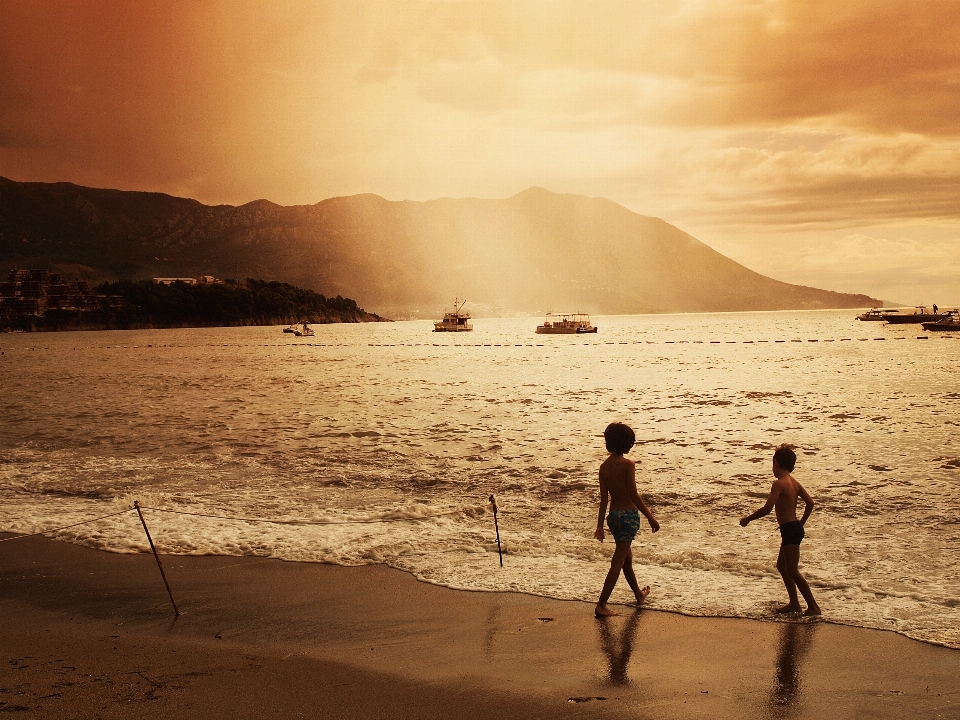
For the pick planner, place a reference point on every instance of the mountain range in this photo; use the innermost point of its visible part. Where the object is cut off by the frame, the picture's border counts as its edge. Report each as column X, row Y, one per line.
column 533, row 252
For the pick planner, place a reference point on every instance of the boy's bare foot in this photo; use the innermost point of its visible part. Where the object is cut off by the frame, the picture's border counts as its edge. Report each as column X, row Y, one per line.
column 643, row 595
column 788, row 609
column 603, row 611
column 812, row 611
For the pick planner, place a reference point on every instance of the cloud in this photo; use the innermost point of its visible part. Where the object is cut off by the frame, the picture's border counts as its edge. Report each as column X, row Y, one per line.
column 734, row 113
column 878, row 65
column 905, row 264
column 780, row 112
column 867, row 255
column 843, row 179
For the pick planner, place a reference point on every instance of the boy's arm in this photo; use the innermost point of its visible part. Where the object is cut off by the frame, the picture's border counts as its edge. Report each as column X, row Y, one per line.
column 604, row 495
column 638, row 501
column 767, row 507
column 808, row 501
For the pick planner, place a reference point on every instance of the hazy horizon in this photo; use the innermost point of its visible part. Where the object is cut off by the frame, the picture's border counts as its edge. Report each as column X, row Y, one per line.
column 815, row 146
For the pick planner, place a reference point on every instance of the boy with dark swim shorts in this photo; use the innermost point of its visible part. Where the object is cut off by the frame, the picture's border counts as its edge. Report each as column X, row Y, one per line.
column 783, row 497
column 618, row 485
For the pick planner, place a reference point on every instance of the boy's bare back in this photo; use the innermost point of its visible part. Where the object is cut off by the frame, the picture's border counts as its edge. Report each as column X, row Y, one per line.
column 618, row 477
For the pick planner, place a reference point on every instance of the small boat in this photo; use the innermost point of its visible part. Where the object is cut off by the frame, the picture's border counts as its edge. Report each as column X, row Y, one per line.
column 876, row 314
column 566, row 324
column 307, row 331
column 920, row 316
column 950, row 320
column 291, row 329
column 456, row 321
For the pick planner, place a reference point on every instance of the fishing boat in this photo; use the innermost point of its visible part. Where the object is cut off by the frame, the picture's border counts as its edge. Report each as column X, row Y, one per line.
column 949, row 320
column 291, row 329
column 306, row 331
column 455, row 321
column 876, row 314
column 919, row 316
column 566, row 324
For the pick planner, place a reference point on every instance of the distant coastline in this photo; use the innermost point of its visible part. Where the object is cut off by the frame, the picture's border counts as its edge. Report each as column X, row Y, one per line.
column 42, row 304
column 528, row 253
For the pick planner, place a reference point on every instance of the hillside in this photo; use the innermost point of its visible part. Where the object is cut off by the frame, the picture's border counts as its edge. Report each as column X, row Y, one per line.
column 532, row 252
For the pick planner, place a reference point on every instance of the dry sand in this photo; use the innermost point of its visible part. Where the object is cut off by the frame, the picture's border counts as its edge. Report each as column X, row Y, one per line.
column 89, row 634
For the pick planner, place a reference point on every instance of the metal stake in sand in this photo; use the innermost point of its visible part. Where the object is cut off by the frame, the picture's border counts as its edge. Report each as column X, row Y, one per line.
column 497, row 526
column 176, row 611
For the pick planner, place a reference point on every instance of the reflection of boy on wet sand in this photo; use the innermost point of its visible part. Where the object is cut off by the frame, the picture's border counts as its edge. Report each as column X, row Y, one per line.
column 618, row 485
column 783, row 497
column 619, row 649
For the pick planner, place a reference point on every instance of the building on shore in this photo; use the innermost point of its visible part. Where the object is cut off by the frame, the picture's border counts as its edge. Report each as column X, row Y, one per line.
column 34, row 292
column 173, row 280
column 202, row 280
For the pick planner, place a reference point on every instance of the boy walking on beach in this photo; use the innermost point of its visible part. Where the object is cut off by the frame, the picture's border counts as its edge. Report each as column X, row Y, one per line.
column 783, row 497
column 618, row 485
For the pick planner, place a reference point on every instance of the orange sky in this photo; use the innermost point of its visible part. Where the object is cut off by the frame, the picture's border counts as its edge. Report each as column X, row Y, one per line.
column 814, row 142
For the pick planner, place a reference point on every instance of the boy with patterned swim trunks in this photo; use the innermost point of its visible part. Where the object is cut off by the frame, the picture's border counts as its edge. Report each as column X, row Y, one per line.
column 783, row 497
column 618, row 486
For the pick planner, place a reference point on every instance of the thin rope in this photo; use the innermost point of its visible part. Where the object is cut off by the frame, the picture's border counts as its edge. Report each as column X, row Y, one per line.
column 84, row 522
column 301, row 522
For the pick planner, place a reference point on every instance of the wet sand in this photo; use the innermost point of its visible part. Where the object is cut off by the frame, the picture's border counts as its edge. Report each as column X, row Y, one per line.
column 92, row 634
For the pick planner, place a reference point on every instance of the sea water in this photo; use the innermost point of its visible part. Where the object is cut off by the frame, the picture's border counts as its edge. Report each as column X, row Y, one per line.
column 388, row 439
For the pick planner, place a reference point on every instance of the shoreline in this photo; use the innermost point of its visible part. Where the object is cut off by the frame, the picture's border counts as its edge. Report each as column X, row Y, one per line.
column 820, row 619
column 92, row 632
column 10, row 330
column 623, row 607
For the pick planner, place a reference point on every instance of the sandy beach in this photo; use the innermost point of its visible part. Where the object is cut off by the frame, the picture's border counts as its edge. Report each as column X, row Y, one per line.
column 92, row 634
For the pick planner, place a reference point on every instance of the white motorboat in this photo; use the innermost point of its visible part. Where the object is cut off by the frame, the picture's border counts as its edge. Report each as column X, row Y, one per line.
column 566, row 324
column 455, row 321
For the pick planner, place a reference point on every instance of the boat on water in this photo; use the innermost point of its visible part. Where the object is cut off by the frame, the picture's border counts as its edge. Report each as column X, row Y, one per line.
column 305, row 331
column 920, row 315
column 455, row 321
column 949, row 320
column 877, row 314
column 291, row 329
column 566, row 324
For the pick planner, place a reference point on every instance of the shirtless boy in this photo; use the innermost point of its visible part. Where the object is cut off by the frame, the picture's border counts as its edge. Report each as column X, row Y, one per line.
column 783, row 497
column 618, row 486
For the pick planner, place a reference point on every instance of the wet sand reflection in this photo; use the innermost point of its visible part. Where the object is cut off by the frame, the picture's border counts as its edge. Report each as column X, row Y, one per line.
column 493, row 615
column 795, row 640
column 618, row 646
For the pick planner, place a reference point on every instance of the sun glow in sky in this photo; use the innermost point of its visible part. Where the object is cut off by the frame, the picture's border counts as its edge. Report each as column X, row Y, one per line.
column 814, row 142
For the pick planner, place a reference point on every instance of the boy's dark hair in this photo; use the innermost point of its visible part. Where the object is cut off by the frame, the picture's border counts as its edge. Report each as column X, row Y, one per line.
column 619, row 438
column 785, row 457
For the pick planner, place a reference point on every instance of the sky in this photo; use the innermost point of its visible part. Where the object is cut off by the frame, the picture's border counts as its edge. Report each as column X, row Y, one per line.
column 815, row 142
